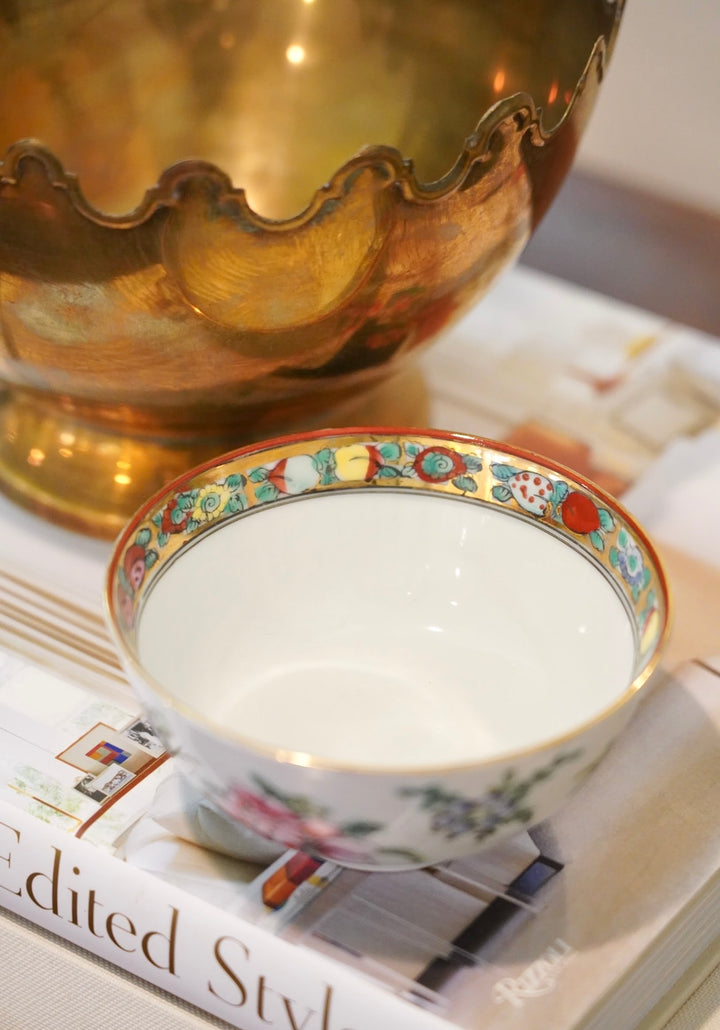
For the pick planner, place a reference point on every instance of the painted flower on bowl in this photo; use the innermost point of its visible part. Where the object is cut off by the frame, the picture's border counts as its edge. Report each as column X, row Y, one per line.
column 627, row 558
column 134, row 565
column 210, row 502
column 297, row 822
column 137, row 560
column 438, row 464
column 507, row 801
column 175, row 516
column 189, row 509
column 276, row 821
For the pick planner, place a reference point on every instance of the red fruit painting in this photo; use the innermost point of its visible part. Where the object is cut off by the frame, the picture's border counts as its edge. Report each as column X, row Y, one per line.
column 579, row 513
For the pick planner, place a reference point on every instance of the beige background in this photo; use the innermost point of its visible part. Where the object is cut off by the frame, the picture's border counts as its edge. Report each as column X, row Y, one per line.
column 655, row 125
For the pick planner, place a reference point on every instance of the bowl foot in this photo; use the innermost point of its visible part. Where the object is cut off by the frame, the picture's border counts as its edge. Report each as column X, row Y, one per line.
column 86, row 477
column 91, row 478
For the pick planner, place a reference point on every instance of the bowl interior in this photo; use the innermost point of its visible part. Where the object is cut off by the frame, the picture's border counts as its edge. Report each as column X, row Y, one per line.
column 279, row 94
column 388, row 628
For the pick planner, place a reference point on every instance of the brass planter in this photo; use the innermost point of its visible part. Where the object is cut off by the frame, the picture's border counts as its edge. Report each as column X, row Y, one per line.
column 230, row 305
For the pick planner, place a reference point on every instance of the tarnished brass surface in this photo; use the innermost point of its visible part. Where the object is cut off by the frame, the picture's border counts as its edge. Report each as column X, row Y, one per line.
column 335, row 180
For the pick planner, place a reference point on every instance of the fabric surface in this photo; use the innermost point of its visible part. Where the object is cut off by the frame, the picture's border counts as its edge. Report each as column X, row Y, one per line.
column 36, row 966
column 702, row 1009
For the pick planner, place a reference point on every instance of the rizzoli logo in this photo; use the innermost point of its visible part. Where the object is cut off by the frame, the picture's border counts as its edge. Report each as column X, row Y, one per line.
column 539, row 978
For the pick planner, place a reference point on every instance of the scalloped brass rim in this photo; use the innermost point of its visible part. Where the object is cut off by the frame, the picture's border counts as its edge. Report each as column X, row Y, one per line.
column 400, row 170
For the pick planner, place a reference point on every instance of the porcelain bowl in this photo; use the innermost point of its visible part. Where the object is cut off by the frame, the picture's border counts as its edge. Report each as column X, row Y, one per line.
column 222, row 221
column 389, row 648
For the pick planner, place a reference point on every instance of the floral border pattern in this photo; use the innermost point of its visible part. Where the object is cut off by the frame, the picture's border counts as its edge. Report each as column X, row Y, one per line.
column 264, row 477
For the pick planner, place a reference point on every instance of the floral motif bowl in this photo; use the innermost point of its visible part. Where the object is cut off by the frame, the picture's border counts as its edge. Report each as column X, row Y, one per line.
column 222, row 221
column 387, row 647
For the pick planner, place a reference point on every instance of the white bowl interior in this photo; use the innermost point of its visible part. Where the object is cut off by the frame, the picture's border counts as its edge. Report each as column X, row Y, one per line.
column 383, row 628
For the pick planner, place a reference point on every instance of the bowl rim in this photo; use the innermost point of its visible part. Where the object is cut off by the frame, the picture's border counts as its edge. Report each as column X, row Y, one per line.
column 194, row 716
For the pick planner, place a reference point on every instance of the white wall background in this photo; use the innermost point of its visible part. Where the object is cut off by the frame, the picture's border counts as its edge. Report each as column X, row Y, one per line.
column 657, row 121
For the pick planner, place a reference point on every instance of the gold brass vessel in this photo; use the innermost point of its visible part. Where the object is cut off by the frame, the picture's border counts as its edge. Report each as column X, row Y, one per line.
column 335, row 180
